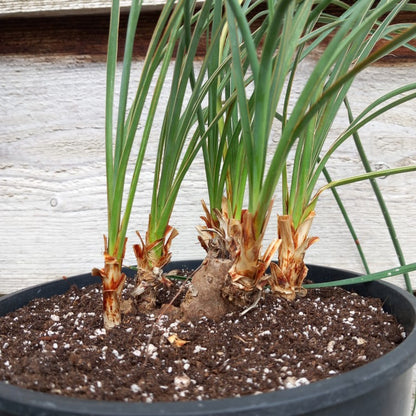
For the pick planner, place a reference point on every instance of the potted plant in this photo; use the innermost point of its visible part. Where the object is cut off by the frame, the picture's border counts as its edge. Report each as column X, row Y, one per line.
column 228, row 105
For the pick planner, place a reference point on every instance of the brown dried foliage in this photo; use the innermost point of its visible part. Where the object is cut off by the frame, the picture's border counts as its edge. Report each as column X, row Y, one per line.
column 151, row 257
column 112, row 282
column 287, row 277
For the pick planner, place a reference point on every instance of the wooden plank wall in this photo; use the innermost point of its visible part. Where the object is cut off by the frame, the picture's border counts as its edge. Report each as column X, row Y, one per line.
column 20, row 8
column 52, row 173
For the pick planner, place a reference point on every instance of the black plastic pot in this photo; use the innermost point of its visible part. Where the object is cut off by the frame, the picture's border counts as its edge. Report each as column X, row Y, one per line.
column 382, row 387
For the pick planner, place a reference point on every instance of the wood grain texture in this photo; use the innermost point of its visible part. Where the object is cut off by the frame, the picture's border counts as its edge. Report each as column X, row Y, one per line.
column 83, row 35
column 12, row 8
column 52, row 175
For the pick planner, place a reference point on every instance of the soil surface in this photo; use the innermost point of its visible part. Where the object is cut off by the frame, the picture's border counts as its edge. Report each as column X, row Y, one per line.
column 59, row 346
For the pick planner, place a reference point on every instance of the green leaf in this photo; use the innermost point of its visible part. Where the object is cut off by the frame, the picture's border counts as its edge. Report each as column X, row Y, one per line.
column 365, row 278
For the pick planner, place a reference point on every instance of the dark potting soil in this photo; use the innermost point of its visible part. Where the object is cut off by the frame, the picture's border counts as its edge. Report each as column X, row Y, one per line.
column 59, row 346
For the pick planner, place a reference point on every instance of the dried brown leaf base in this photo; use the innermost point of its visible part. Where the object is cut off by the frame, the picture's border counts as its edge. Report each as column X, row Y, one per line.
column 59, row 346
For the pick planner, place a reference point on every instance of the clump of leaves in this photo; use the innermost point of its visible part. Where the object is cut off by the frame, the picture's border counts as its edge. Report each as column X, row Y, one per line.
column 264, row 65
column 178, row 36
column 178, row 143
column 120, row 141
column 227, row 105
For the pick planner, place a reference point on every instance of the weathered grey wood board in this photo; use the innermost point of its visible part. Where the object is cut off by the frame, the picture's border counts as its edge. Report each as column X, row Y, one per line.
column 52, row 176
column 9, row 8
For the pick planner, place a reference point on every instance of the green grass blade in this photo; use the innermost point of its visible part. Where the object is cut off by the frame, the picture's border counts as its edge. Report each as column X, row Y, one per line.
column 380, row 199
column 358, row 178
column 109, row 102
column 164, row 56
column 125, row 79
column 365, row 278
column 161, row 47
column 367, row 115
column 348, row 222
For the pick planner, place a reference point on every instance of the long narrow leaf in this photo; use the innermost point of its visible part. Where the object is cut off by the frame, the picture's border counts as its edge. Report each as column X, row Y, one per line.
column 365, row 278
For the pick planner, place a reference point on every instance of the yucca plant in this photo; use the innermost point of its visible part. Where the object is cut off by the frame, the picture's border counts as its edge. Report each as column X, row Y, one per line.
column 178, row 141
column 227, row 105
column 118, row 150
column 264, row 65
column 120, row 140
column 153, row 253
column 352, row 47
column 178, row 35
